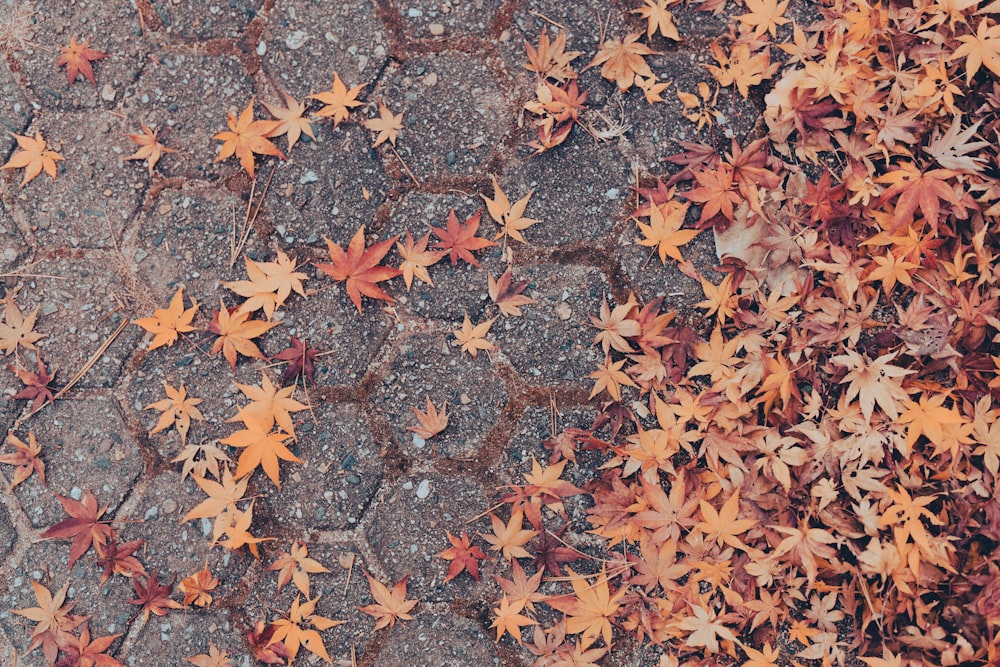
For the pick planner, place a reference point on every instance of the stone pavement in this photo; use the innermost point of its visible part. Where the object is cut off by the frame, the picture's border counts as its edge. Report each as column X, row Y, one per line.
column 105, row 242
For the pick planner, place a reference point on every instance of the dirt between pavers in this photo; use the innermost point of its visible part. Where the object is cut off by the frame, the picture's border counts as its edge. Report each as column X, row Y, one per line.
column 106, row 242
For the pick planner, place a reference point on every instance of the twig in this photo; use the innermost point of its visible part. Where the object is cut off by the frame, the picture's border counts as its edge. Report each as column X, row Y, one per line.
column 236, row 247
column 484, row 513
column 405, row 168
column 535, row 12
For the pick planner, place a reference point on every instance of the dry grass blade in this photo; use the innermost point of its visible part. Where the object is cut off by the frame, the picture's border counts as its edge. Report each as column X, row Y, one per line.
column 239, row 239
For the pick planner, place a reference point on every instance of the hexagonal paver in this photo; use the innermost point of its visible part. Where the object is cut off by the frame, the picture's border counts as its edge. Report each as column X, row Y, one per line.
column 199, row 20
column 90, row 20
column 13, row 249
column 78, row 314
column 172, row 639
column 408, row 531
column 580, row 191
column 329, row 188
column 427, row 366
column 438, row 640
column 553, row 342
column 85, row 445
column 342, row 472
column 446, row 19
column 457, row 289
column 184, row 237
column 90, row 200
column 454, row 116
column 652, row 278
column 528, row 439
column 306, row 41
column 15, row 109
column 186, row 96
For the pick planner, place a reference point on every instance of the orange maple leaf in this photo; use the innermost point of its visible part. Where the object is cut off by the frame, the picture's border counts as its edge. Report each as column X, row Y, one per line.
column 17, row 329
column 33, row 157
column 431, row 422
column 509, row 216
column 551, row 60
column 416, row 259
column 77, row 59
column 261, row 447
column 290, row 629
column 178, row 411
column 84, row 525
column 658, row 17
column 459, row 238
column 508, row 618
column 509, row 538
column 150, row 148
column 473, row 338
column 235, row 332
column 389, row 606
column 290, row 120
column 167, row 323
column 592, row 608
column 247, row 136
column 722, row 526
column 359, row 267
column 25, row 457
column 463, row 557
column 507, row 294
column 387, row 125
column 296, row 566
column 338, row 100
column 197, row 588
column 623, row 59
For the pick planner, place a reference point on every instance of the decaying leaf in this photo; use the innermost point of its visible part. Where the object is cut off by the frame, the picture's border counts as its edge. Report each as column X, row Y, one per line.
column 430, row 423
column 150, row 148
column 26, row 458
column 178, row 411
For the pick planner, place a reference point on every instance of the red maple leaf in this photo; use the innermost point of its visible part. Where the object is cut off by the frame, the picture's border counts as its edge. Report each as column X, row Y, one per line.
column 77, row 58
column 36, row 387
column 360, row 267
column 300, row 359
column 153, row 596
column 459, row 238
column 463, row 556
column 83, row 526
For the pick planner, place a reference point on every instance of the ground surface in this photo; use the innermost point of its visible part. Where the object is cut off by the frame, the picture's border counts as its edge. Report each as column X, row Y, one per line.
column 106, row 242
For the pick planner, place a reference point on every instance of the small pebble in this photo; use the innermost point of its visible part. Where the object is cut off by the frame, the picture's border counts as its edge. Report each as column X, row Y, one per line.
column 431, row 79
column 436, row 29
column 107, row 93
column 261, row 48
column 169, row 506
column 424, row 489
column 308, row 177
column 413, row 12
column 296, row 40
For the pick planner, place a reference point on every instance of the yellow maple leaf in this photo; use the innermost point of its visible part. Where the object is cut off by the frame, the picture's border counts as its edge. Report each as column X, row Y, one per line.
column 167, row 323
column 338, row 100
column 473, row 338
column 387, row 125
column 33, row 157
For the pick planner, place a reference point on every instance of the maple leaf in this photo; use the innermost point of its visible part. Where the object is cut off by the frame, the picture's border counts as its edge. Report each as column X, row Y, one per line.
column 550, row 552
column 551, row 60
column 235, row 525
column 33, row 157
column 873, row 382
column 658, row 17
column 430, row 423
column 26, row 457
column 245, row 137
column 459, row 238
column 721, row 299
column 265, row 648
column 651, row 88
column 300, row 358
column 36, row 388
column 291, row 121
column 152, row 597
column 150, row 148
column 359, row 267
column 197, row 587
column 706, row 629
column 338, row 100
column 261, row 447
column 623, row 60
column 616, row 326
column 296, row 566
column 951, row 149
column 387, row 125
column 507, row 294
column 416, row 259
column 77, row 58
column 52, row 618
column 508, row 619
column 236, row 332
column 177, row 409
column 269, row 405
column 463, row 557
column 17, row 329
column 658, row 564
column 592, row 608
column 610, row 377
column 740, row 67
column 291, row 632
column 722, row 526
column 765, row 16
column 979, row 49
column 917, row 189
column 509, row 538
column 715, row 192
column 216, row 657
column 118, row 559
column 167, row 323
column 389, row 606
column 211, row 455
column 473, row 338
column 222, row 496
column 664, row 230
column 83, row 526
column 81, row 652
column 522, row 588
column 509, row 216
column 270, row 284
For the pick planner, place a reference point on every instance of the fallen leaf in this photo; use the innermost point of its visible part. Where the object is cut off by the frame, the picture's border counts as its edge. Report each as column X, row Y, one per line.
column 338, row 100
column 197, row 587
column 623, row 59
column 269, row 405
column 431, row 422
column 359, row 267
column 389, row 606
column 216, row 657
column 77, row 58
column 18, row 329
column 26, row 457
column 150, row 148
column 81, row 652
column 473, row 338
column 387, row 125
column 33, row 157
column 296, row 566
column 52, row 618
column 178, row 411
column 509, row 216
column 118, row 559
column 269, row 284
column 463, row 557
column 551, row 60
column 245, row 137
column 291, row 121
column 508, row 619
column 507, row 294
column 290, row 629
column 300, row 358
column 236, row 332
column 152, row 597
column 459, row 238
column 261, row 447
column 167, row 323
column 36, row 388
column 83, row 526
column 416, row 259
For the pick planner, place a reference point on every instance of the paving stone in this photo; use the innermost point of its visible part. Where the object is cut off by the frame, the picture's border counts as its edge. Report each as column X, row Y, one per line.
column 13, row 249
column 306, row 41
column 8, row 535
column 457, row 289
column 427, row 366
column 451, row 128
column 199, row 20
column 184, row 237
column 445, row 19
column 651, row 278
column 85, row 445
column 15, row 109
column 552, row 342
column 342, row 472
column 55, row 24
column 107, row 605
column 408, row 531
column 172, row 639
column 580, row 191
column 528, row 438
column 78, row 314
column 89, row 201
column 438, row 640
column 320, row 192
column 186, row 97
